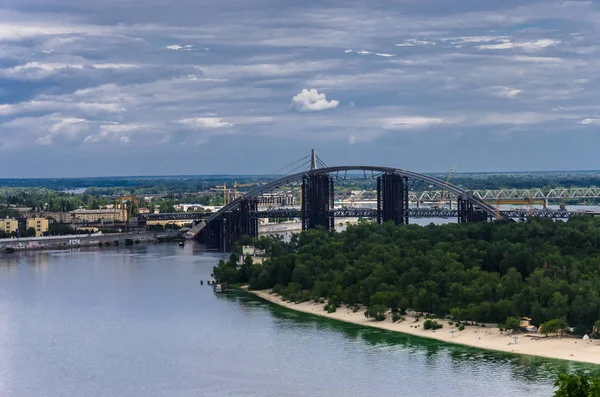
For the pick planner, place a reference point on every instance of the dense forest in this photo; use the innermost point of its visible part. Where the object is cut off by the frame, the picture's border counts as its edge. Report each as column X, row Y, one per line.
column 482, row 272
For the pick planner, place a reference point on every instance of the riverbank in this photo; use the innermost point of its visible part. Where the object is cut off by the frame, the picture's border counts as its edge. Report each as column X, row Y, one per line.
column 85, row 240
column 489, row 338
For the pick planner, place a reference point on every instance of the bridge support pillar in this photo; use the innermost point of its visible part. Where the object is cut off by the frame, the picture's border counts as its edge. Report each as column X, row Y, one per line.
column 248, row 224
column 392, row 199
column 317, row 201
column 545, row 204
column 467, row 212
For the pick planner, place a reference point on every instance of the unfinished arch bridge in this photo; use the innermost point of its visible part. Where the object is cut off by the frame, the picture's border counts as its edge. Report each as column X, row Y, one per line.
column 240, row 217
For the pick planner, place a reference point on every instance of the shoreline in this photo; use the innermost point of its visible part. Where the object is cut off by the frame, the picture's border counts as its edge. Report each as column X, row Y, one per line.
column 79, row 241
column 488, row 338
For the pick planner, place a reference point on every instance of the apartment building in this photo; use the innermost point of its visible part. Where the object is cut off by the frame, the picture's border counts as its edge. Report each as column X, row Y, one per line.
column 9, row 225
column 39, row 224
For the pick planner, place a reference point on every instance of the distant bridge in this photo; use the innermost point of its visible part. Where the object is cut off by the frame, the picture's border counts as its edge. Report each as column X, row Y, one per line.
column 505, row 194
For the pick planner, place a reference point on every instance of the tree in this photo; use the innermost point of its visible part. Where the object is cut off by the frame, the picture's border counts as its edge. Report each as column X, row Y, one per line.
column 31, row 232
column 512, row 323
column 596, row 327
column 376, row 312
column 553, row 326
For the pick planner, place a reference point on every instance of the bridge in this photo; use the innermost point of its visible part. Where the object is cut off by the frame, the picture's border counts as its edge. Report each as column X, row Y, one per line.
column 416, row 213
column 507, row 194
column 240, row 217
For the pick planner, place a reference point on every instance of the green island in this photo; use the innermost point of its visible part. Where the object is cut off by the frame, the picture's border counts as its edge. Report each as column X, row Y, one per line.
column 478, row 272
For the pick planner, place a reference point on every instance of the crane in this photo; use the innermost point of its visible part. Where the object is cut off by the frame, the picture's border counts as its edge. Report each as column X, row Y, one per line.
column 236, row 185
column 529, row 202
column 222, row 188
column 124, row 204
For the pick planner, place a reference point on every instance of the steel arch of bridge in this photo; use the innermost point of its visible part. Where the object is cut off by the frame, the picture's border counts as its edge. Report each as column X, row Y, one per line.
column 464, row 195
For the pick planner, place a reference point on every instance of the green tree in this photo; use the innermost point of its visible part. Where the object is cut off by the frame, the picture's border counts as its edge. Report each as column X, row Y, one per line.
column 553, row 326
column 512, row 323
column 376, row 312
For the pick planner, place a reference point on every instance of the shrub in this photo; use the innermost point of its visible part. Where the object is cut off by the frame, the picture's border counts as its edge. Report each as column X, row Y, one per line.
column 356, row 308
column 450, row 322
column 431, row 324
column 321, row 300
column 397, row 317
column 331, row 309
column 461, row 328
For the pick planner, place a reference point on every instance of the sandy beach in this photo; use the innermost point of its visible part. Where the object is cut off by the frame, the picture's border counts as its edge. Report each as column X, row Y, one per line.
column 481, row 337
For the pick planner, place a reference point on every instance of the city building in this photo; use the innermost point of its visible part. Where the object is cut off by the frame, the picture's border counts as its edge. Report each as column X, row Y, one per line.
column 9, row 225
column 93, row 216
column 258, row 255
column 39, row 224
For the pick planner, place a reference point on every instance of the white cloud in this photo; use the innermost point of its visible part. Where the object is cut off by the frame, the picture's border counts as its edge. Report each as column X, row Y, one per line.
column 402, row 123
column 311, row 100
column 113, row 128
column 206, row 123
column 363, row 52
column 527, row 45
column 415, row 42
column 588, row 121
column 352, row 139
column 507, row 92
column 186, row 47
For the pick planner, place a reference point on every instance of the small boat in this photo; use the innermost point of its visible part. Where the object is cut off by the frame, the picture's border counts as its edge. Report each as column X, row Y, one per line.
column 9, row 250
column 218, row 289
column 181, row 243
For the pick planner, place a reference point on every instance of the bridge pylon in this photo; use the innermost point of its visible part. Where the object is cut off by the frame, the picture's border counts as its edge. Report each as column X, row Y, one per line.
column 392, row 199
column 317, row 201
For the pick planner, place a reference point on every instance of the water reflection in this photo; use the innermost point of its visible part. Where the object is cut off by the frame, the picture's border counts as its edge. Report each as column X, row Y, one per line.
column 460, row 357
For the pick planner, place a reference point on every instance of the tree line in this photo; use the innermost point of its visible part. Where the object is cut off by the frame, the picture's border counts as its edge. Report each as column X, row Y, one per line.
column 477, row 272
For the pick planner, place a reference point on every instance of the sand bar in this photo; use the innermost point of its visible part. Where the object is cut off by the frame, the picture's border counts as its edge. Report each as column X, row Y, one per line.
column 489, row 337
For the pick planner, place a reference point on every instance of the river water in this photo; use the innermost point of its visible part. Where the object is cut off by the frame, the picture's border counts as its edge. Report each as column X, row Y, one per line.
column 135, row 321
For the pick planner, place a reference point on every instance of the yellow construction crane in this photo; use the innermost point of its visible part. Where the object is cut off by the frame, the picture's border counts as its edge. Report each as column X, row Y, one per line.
column 236, row 185
column 529, row 202
column 124, row 204
column 222, row 188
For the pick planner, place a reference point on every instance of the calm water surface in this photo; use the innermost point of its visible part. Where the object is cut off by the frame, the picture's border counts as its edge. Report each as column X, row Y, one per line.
column 137, row 322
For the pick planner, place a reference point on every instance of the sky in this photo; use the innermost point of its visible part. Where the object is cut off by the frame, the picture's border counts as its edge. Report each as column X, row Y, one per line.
column 129, row 87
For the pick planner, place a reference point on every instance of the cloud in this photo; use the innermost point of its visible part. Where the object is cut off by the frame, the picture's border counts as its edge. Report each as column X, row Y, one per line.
column 526, row 45
column 402, row 123
column 363, row 52
column 311, row 100
column 507, row 92
column 415, row 42
column 205, row 123
column 588, row 121
column 116, row 73
column 187, row 47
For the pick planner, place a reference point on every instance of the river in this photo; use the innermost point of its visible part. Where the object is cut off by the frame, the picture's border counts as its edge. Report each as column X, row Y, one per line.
column 135, row 321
